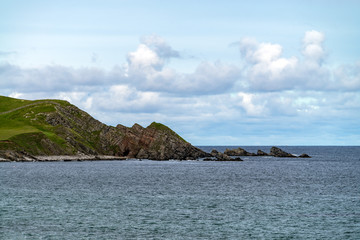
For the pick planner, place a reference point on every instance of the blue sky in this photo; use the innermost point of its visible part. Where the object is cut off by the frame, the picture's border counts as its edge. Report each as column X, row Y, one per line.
column 217, row 72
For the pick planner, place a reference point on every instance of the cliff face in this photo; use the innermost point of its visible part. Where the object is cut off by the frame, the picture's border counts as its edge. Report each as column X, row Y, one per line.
column 156, row 142
column 53, row 127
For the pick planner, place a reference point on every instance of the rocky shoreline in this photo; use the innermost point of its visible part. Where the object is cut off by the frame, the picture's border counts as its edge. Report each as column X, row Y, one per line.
column 214, row 155
column 234, row 154
column 13, row 156
column 63, row 132
column 274, row 152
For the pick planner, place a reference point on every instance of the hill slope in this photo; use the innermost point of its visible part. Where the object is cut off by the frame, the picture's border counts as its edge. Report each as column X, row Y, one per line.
column 55, row 127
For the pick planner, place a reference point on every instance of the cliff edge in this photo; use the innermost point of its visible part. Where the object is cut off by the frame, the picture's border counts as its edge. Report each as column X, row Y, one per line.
column 55, row 127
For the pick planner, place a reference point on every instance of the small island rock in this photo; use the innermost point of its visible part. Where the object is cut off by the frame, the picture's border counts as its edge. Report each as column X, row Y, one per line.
column 277, row 152
column 238, row 152
column 262, row 153
column 222, row 156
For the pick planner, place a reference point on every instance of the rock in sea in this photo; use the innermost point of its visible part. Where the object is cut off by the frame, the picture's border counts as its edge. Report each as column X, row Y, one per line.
column 277, row 152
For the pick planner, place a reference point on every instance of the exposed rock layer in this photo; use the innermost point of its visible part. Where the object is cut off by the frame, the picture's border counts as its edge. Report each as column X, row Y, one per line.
column 64, row 129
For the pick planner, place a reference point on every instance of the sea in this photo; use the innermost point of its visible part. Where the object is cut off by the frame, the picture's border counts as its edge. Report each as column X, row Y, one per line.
column 258, row 198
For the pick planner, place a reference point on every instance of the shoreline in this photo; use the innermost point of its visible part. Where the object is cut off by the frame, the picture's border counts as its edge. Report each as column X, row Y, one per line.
column 64, row 158
column 228, row 155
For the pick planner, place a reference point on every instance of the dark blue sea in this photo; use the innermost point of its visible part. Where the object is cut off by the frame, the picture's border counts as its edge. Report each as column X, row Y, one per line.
column 259, row 198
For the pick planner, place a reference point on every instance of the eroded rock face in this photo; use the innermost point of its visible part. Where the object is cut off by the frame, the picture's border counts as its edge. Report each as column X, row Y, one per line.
column 157, row 142
column 10, row 155
column 82, row 134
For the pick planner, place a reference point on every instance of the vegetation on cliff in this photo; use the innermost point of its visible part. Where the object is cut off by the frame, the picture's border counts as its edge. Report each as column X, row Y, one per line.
column 55, row 127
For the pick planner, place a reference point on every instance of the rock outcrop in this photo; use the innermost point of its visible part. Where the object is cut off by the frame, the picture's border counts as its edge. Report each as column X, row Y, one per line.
column 238, row 152
column 218, row 156
column 261, row 153
column 156, row 142
column 10, row 155
column 60, row 128
column 274, row 151
column 277, row 152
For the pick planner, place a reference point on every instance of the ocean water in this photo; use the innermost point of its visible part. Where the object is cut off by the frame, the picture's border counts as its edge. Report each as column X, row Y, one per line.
column 259, row 198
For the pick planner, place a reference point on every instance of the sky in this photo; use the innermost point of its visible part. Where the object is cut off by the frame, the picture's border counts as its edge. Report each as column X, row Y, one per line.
column 216, row 72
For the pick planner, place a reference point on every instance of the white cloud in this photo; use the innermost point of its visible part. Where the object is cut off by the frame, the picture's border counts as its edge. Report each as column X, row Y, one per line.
column 16, row 95
column 267, row 70
column 215, row 97
column 348, row 77
column 144, row 58
column 313, row 49
column 123, row 98
column 159, row 46
column 53, row 78
column 146, row 70
column 267, row 52
column 248, row 103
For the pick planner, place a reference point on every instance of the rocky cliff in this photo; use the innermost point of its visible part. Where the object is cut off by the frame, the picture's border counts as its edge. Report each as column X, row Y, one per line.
column 54, row 127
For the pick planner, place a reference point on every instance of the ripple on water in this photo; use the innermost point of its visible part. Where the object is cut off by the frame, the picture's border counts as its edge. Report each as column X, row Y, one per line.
column 257, row 198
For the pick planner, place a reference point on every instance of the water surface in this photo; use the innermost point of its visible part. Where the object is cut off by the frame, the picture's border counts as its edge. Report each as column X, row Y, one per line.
column 261, row 197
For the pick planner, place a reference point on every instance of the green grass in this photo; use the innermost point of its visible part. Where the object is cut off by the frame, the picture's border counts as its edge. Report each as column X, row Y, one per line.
column 7, row 133
column 162, row 127
column 7, row 103
column 23, row 126
column 22, row 121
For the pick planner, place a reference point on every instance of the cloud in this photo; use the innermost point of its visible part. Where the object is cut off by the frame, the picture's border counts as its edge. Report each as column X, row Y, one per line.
column 348, row 77
column 52, row 78
column 94, row 57
column 267, row 70
column 146, row 70
column 7, row 53
column 251, row 106
column 159, row 45
column 123, row 98
column 313, row 48
column 268, row 91
column 144, row 58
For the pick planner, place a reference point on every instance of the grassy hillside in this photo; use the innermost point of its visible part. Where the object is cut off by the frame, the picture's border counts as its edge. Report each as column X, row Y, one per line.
column 55, row 127
column 23, row 116
column 23, row 121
